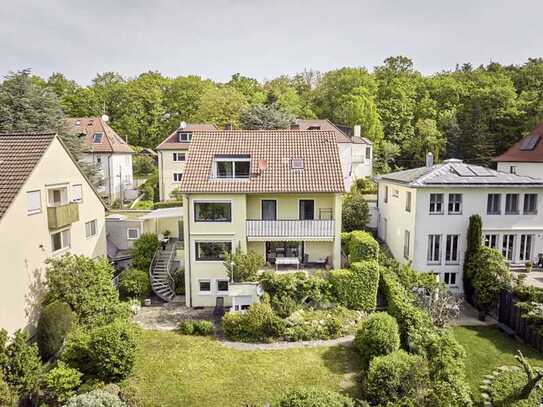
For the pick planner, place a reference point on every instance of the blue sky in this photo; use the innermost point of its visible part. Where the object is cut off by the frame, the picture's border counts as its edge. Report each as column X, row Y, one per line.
column 263, row 39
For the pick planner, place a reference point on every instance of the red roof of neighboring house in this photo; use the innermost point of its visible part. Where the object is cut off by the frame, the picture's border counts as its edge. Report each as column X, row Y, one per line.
column 274, row 150
column 111, row 142
column 518, row 152
column 172, row 143
column 325, row 124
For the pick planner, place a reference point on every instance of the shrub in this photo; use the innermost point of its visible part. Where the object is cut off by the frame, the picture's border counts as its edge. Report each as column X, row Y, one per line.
column 8, row 397
column 105, row 353
column 356, row 288
column 397, row 377
column 23, row 366
column 355, row 213
column 85, row 285
column 314, row 397
column 258, row 324
column 143, row 251
column 59, row 385
column 305, row 325
column 284, row 305
column 364, row 185
column 179, row 281
column 378, row 335
column 297, row 286
column 200, row 327
column 95, row 398
column 246, row 265
column 134, row 283
column 168, row 204
column 362, row 246
column 54, row 323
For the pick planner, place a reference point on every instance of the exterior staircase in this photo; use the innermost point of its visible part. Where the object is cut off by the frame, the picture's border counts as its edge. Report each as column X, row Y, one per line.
column 160, row 273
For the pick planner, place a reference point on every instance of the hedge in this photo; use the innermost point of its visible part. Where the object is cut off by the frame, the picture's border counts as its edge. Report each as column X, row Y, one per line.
column 167, row 204
column 258, row 324
column 314, row 397
column 356, row 288
column 55, row 321
column 378, row 335
column 361, row 246
column 134, row 284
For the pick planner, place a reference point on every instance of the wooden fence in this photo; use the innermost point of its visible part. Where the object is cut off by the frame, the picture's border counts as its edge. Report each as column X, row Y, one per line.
column 510, row 316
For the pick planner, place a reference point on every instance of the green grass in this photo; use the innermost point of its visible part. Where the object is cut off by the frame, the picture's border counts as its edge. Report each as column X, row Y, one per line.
column 176, row 370
column 487, row 348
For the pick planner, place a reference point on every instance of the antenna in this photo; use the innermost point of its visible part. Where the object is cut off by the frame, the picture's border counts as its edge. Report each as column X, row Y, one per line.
column 183, row 125
column 105, row 118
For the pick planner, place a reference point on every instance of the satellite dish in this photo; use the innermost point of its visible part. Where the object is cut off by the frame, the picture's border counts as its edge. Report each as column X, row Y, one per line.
column 183, row 125
column 259, row 290
column 105, row 118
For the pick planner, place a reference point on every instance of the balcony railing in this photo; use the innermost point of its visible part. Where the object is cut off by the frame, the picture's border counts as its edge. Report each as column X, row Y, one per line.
column 290, row 229
column 63, row 215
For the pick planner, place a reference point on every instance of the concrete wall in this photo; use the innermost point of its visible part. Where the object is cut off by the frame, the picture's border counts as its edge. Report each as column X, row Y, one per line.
column 529, row 169
column 354, row 163
column 117, row 232
column 116, row 171
column 167, row 167
column 26, row 239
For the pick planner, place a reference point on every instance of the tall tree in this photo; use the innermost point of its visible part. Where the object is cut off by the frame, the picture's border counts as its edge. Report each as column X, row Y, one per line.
column 248, row 87
column 265, row 117
column 221, row 106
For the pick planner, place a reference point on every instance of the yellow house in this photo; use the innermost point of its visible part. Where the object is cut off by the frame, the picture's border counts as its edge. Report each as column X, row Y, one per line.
column 276, row 192
column 47, row 208
column 172, row 156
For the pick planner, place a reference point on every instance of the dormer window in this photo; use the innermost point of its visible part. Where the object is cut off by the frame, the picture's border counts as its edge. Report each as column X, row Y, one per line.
column 297, row 164
column 97, row 138
column 232, row 166
column 184, row 136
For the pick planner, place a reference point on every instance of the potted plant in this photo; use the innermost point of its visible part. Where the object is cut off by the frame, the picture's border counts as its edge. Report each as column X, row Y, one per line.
column 167, row 234
column 529, row 266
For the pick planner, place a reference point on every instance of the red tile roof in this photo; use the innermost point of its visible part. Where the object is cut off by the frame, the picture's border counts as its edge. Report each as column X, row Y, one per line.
column 515, row 154
column 325, row 124
column 171, row 142
column 88, row 126
column 274, row 150
column 19, row 155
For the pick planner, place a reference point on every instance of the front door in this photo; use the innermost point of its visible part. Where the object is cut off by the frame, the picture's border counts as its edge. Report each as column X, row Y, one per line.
column 307, row 209
column 269, row 209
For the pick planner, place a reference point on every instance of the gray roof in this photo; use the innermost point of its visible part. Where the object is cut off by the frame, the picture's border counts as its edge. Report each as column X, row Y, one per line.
column 455, row 172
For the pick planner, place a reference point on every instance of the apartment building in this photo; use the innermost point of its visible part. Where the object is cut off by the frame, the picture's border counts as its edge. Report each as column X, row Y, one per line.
column 172, row 156
column 47, row 208
column 109, row 151
column 275, row 192
column 524, row 157
column 424, row 216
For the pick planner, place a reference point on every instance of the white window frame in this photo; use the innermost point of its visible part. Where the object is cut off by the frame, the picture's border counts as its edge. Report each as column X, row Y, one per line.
column 204, row 280
column 128, row 234
column 496, row 211
column 75, row 187
column 368, row 153
column 450, row 253
column 178, row 175
column 509, row 199
column 213, row 202
column 64, row 247
column 406, row 244
column 210, row 241
column 177, row 157
column 435, row 203
column 34, row 210
column 188, row 135
column 217, row 285
column 89, row 225
column 450, row 273
column 386, row 194
column 526, row 251
column 493, row 240
column 408, row 197
column 430, row 255
column 100, row 138
column 524, row 211
column 233, row 160
column 395, row 193
column 64, row 197
column 454, row 203
column 508, row 253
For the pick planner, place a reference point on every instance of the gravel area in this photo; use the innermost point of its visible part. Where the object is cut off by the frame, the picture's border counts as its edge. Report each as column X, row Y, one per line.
column 166, row 317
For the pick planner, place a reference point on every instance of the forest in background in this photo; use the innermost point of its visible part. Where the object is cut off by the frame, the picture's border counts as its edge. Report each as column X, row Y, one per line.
column 472, row 113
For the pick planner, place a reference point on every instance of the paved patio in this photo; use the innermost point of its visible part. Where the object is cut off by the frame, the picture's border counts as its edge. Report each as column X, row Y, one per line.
column 168, row 316
column 469, row 316
column 534, row 278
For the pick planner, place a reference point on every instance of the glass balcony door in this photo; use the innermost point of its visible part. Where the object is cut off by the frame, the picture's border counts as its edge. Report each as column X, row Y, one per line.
column 269, row 209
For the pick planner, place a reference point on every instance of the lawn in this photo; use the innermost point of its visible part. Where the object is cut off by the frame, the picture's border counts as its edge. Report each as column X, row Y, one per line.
column 176, row 370
column 488, row 348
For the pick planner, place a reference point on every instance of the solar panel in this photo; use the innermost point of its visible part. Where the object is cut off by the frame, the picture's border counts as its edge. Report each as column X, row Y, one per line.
column 482, row 171
column 530, row 142
column 463, row 170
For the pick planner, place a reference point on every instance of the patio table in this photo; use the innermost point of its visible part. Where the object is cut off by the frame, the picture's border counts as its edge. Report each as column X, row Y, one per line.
column 281, row 261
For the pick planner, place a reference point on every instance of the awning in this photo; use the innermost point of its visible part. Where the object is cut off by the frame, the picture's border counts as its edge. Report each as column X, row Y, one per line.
column 176, row 212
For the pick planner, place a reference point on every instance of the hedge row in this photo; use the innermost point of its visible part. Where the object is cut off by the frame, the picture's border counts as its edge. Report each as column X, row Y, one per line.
column 360, row 246
column 357, row 287
column 167, row 204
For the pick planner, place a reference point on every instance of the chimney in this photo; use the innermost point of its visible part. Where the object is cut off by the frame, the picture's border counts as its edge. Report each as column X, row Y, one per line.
column 183, row 125
column 228, row 126
column 357, row 130
column 294, row 126
column 429, row 160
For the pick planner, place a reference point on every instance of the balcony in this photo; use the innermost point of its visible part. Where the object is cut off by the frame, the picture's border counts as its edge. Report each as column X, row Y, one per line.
column 270, row 230
column 62, row 215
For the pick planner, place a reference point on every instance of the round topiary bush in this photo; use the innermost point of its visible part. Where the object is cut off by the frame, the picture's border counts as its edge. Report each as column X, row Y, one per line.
column 96, row 398
column 314, row 397
column 134, row 283
column 378, row 335
column 54, row 323
column 201, row 327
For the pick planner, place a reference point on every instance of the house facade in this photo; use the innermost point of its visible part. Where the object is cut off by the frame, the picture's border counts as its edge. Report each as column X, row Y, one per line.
column 277, row 193
column 524, row 157
column 424, row 216
column 107, row 150
column 47, row 208
column 172, row 156
column 355, row 151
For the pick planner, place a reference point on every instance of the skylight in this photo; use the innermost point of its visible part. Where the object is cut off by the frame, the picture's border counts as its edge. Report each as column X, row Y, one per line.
column 297, row 164
column 97, row 138
column 529, row 143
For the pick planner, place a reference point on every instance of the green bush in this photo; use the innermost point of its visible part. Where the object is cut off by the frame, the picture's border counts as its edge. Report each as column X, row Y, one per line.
column 8, row 396
column 85, row 285
column 104, row 353
column 356, row 288
column 362, row 246
column 179, row 281
column 284, row 305
column 143, row 251
column 314, row 397
column 355, row 213
column 135, row 284
column 198, row 327
column 306, row 324
column 246, row 265
column 258, row 324
column 22, row 365
column 168, row 204
column 297, row 286
column 53, row 325
column 396, row 378
column 506, row 389
column 186, row 327
column 95, row 398
column 59, row 385
column 378, row 335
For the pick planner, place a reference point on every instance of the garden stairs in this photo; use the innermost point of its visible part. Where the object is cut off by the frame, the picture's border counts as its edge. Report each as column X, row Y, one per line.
column 160, row 272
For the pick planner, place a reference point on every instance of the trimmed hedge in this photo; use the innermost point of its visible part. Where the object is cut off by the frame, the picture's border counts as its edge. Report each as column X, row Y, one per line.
column 258, row 324
column 356, row 288
column 134, row 284
column 314, row 397
column 167, row 204
column 199, row 327
column 55, row 321
column 361, row 246
column 378, row 335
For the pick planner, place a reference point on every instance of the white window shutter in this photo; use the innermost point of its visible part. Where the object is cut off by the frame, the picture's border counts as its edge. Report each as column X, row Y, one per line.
column 77, row 193
column 33, row 200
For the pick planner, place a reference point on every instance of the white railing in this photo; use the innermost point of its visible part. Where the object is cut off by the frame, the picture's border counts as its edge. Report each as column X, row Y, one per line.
column 290, row 228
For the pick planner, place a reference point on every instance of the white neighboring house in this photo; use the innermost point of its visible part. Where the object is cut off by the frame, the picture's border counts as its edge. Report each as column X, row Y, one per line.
column 524, row 157
column 103, row 146
column 355, row 152
column 424, row 216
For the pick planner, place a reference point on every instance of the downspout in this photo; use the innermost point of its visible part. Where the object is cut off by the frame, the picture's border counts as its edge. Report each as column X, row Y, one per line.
column 161, row 180
column 109, row 175
column 187, row 248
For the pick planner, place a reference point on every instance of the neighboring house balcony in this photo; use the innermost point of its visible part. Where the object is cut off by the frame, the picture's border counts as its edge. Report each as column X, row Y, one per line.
column 62, row 215
column 278, row 230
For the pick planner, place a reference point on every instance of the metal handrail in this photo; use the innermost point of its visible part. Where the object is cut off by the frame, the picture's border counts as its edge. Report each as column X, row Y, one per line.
column 168, row 267
column 151, row 266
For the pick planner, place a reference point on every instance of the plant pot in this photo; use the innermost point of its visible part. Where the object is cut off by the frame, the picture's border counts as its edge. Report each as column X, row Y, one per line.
column 147, row 302
column 482, row 316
